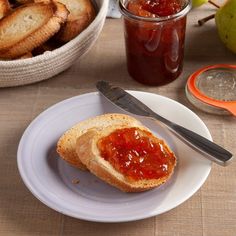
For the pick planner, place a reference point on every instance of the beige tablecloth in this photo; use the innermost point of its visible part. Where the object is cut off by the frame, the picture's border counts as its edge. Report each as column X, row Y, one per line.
column 211, row 211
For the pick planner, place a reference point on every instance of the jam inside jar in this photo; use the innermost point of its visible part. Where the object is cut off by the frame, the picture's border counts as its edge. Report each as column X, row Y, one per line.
column 154, row 36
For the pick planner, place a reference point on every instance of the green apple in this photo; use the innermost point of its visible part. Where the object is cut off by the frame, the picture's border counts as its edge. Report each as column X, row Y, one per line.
column 226, row 24
column 197, row 3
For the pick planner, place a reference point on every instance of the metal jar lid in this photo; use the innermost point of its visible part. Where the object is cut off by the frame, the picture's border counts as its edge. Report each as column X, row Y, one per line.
column 213, row 89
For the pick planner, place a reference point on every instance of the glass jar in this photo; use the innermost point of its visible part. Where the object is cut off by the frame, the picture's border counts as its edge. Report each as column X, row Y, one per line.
column 154, row 45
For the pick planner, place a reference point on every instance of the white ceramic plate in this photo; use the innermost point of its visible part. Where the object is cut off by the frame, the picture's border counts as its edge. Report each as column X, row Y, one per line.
column 52, row 180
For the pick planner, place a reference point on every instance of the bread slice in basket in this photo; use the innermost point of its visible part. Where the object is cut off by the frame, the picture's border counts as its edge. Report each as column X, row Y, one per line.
column 66, row 145
column 29, row 26
column 82, row 13
column 4, row 8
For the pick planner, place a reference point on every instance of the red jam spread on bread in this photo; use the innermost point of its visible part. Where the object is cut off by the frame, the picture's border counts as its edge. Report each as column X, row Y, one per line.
column 136, row 153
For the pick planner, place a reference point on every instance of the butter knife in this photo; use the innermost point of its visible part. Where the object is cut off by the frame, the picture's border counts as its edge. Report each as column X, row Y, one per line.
column 129, row 103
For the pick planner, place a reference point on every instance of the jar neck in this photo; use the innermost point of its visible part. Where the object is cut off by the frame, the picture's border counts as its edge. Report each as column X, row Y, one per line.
column 186, row 7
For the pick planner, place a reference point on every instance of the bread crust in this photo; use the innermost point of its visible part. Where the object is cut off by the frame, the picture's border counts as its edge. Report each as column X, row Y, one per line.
column 25, row 56
column 24, row 1
column 87, row 150
column 4, row 8
column 77, row 20
column 55, row 14
column 66, row 145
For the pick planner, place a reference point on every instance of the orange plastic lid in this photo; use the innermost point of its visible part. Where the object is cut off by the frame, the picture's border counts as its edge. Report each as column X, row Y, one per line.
column 213, row 89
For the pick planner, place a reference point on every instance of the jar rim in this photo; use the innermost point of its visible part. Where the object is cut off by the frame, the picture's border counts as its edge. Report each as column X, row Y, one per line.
column 125, row 12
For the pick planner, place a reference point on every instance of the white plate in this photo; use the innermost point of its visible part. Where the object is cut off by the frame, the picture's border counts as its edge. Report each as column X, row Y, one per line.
column 50, row 179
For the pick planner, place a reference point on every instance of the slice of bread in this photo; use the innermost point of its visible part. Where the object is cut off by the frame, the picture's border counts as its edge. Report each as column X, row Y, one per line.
column 4, row 8
column 88, row 151
column 50, row 45
column 25, row 56
column 21, row 2
column 66, row 145
column 29, row 26
column 82, row 13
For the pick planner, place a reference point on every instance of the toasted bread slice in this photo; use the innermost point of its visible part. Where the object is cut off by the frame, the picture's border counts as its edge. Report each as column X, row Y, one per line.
column 21, row 2
column 29, row 26
column 50, row 45
column 4, row 8
column 82, row 13
column 91, row 155
column 67, row 143
column 26, row 55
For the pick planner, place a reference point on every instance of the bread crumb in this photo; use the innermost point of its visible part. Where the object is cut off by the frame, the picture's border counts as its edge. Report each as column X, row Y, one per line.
column 75, row 181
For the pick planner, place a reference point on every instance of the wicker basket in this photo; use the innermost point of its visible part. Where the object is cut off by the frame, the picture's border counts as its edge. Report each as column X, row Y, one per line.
column 31, row 70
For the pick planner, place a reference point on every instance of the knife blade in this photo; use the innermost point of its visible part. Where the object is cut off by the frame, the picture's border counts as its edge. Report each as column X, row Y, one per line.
column 129, row 103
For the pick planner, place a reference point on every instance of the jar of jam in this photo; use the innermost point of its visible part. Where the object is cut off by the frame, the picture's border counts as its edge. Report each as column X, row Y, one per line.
column 154, row 37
